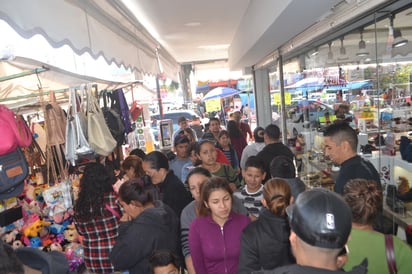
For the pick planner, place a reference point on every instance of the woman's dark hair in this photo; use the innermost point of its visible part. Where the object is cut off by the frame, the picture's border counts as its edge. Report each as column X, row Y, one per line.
column 192, row 147
column 223, row 133
column 94, row 184
column 233, row 129
column 138, row 152
column 198, row 170
column 365, row 199
column 201, row 143
column 283, row 167
column 190, row 131
column 277, row 193
column 133, row 191
column 212, row 184
column 157, row 160
column 164, row 258
column 135, row 162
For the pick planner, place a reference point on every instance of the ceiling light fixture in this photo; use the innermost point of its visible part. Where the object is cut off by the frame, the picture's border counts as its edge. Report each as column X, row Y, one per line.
column 362, row 47
column 330, row 54
column 316, row 52
column 398, row 40
column 342, row 51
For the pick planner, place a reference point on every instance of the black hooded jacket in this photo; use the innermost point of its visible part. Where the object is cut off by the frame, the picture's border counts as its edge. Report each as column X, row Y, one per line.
column 265, row 243
column 154, row 229
column 270, row 151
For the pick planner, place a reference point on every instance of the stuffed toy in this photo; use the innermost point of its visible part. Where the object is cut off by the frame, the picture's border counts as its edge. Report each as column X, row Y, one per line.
column 10, row 236
column 17, row 244
column 36, row 229
column 35, row 242
column 70, row 234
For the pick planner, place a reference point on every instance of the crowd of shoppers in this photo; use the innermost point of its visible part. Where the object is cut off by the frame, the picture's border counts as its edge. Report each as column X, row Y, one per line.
column 222, row 206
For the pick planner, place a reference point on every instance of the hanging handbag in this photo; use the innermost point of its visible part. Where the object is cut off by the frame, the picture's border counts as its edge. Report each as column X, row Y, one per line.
column 113, row 119
column 390, row 255
column 99, row 135
column 56, row 122
column 13, row 171
column 15, row 131
column 119, row 102
column 76, row 142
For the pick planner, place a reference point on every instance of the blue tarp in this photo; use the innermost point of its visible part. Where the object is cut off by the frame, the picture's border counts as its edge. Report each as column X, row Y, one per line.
column 245, row 100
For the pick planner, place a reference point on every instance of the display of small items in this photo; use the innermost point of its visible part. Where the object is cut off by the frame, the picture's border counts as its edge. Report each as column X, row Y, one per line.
column 38, row 229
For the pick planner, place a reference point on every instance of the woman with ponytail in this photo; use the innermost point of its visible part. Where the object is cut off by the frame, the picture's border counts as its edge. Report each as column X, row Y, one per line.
column 265, row 242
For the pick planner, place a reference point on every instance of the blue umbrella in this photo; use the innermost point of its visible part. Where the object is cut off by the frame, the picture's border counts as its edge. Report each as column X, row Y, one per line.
column 220, row 92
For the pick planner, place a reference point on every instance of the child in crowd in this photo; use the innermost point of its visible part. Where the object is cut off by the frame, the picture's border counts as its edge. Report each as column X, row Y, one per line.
column 181, row 143
column 194, row 160
column 252, row 192
column 206, row 152
column 165, row 261
column 226, row 147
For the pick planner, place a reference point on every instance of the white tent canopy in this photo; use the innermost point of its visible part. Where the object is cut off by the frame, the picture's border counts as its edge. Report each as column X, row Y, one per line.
column 99, row 27
column 23, row 92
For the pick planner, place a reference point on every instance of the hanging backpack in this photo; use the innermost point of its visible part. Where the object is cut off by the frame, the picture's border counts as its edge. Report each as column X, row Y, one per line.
column 13, row 171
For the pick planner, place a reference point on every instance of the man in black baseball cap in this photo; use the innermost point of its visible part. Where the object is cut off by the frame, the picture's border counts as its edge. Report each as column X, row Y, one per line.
column 320, row 222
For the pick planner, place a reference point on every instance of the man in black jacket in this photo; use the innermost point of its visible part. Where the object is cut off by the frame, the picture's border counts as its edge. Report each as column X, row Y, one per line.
column 274, row 147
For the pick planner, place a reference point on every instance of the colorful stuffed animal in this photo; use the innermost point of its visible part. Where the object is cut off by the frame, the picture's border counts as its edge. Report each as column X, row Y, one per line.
column 70, row 234
column 36, row 229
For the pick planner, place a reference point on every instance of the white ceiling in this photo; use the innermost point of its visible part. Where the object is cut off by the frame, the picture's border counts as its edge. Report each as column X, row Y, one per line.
column 243, row 31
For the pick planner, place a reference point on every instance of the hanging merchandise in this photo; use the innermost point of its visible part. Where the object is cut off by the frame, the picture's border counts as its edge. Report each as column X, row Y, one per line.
column 141, row 137
column 112, row 117
column 56, row 122
column 36, row 161
column 55, row 125
column 14, row 130
column 76, row 142
column 99, row 135
column 13, row 171
column 58, row 201
column 124, row 109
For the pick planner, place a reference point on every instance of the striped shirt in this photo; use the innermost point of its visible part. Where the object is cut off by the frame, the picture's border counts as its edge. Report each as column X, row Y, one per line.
column 251, row 200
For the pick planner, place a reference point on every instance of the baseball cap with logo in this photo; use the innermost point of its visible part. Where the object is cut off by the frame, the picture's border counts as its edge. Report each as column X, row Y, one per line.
column 321, row 218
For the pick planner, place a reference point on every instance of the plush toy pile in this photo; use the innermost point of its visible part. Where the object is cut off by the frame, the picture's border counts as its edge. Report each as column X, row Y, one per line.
column 46, row 223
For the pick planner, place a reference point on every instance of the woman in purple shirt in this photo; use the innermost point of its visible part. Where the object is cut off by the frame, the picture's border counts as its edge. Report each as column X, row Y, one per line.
column 214, row 237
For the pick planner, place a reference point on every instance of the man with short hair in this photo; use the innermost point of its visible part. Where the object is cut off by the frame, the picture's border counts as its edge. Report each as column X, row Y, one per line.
column 341, row 142
column 253, row 148
column 274, row 147
column 214, row 127
column 320, row 222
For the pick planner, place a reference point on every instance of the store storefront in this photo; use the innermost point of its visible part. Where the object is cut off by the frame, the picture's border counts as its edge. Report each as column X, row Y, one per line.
column 361, row 72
